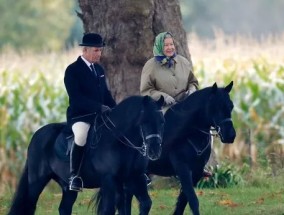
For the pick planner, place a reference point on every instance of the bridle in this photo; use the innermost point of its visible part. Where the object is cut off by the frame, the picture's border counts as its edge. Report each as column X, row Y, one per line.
column 147, row 137
column 124, row 140
column 216, row 128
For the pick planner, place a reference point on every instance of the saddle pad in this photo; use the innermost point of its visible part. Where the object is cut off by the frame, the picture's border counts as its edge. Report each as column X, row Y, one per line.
column 63, row 145
column 65, row 139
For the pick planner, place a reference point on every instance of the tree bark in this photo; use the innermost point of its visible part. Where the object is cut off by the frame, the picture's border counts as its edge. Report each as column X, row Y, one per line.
column 129, row 28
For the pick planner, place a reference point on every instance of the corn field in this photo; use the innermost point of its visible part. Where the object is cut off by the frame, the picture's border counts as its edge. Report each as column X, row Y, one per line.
column 32, row 94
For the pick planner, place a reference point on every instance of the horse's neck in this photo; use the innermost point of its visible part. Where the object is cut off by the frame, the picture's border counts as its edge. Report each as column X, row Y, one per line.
column 122, row 120
column 198, row 135
column 184, row 119
column 123, row 128
column 197, row 117
column 180, row 126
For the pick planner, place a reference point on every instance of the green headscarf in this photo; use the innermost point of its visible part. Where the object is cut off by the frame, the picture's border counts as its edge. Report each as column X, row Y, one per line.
column 158, row 49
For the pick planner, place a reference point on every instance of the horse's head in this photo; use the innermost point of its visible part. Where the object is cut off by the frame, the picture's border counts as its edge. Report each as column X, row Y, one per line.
column 220, row 109
column 151, row 122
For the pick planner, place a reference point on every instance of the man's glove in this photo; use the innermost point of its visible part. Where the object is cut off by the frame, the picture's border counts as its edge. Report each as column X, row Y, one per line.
column 105, row 108
column 170, row 100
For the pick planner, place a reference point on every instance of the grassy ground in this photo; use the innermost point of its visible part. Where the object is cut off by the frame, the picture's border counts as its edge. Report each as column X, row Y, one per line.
column 261, row 198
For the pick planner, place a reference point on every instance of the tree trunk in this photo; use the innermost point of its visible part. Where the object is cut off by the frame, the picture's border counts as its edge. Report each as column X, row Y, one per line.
column 129, row 28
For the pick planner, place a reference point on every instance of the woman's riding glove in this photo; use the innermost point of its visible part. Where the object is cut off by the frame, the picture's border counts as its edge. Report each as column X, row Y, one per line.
column 170, row 100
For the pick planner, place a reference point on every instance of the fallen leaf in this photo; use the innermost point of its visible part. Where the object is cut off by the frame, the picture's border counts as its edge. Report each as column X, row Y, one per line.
column 228, row 202
column 163, row 207
column 199, row 193
column 260, row 201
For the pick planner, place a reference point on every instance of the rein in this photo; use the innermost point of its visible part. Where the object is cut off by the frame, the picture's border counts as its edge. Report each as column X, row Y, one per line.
column 216, row 128
column 198, row 151
column 123, row 139
column 217, row 134
column 183, row 91
column 210, row 132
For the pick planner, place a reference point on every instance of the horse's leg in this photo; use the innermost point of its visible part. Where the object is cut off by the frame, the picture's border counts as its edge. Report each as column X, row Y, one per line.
column 123, row 201
column 27, row 193
column 34, row 191
column 19, row 203
column 107, row 191
column 181, row 203
column 139, row 188
column 185, row 176
column 68, row 199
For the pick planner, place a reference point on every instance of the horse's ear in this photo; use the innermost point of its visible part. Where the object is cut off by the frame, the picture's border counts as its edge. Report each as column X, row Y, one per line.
column 161, row 101
column 214, row 87
column 229, row 87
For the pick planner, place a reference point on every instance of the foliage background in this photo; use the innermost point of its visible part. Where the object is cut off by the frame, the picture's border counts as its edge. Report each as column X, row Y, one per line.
column 54, row 25
column 36, row 24
column 257, row 18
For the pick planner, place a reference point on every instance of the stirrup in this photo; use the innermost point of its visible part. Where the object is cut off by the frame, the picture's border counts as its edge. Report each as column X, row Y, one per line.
column 76, row 183
column 148, row 180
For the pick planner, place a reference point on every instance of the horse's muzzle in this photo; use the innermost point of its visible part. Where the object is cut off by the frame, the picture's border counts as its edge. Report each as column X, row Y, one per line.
column 154, row 146
column 229, row 136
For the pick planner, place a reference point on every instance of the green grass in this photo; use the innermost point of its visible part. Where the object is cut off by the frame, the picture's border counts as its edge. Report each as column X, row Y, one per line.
column 246, row 200
column 239, row 200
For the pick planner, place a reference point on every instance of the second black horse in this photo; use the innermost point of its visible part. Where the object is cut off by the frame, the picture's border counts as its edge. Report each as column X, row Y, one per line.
column 187, row 141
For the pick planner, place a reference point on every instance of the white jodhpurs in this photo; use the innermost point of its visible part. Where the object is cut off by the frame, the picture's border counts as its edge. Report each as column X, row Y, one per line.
column 80, row 131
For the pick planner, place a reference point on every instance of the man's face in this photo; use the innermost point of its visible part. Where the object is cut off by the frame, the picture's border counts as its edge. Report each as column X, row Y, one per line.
column 93, row 54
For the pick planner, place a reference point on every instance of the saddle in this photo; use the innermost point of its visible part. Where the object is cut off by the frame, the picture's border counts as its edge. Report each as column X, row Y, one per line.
column 65, row 139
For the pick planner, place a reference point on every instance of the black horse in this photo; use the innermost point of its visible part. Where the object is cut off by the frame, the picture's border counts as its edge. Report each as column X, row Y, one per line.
column 137, row 122
column 187, row 141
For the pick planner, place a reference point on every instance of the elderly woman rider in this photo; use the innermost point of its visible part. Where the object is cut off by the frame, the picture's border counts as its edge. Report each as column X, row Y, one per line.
column 167, row 74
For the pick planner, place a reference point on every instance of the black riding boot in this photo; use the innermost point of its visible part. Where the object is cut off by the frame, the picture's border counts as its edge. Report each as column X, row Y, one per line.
column 75, row 181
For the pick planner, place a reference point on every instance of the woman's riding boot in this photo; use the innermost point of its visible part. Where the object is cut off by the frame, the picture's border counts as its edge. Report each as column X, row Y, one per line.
column 148, row 179
column 75, row 181
column 206, row 173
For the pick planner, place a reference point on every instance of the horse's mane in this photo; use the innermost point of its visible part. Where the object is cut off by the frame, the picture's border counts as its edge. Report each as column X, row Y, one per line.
column 194, row 100
column 190, row 105
column 134, row 102
column 127, row 111
column 197, row 100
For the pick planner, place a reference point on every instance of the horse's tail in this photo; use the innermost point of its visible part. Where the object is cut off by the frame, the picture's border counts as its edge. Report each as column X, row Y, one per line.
column 96, row 202
column 18, row 204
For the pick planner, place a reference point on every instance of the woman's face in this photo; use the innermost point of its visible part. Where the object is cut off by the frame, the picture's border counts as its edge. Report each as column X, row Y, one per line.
column 169, row 47
column 93, row 54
